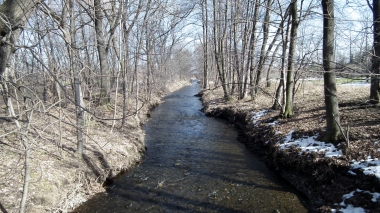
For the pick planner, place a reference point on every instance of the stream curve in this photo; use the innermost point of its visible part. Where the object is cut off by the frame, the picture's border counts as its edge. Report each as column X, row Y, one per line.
column 195, row 164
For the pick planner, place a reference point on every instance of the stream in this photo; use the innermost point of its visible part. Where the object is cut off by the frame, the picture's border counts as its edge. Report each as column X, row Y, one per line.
column 195, row 163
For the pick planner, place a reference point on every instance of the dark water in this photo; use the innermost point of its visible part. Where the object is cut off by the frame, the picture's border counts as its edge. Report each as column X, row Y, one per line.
column 195, row 164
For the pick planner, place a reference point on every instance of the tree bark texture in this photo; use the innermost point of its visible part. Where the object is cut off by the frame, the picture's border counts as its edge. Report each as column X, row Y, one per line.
column 375, row 87
column 14, row 14
column 331, row 98
column 105, row 88
column 290, row 71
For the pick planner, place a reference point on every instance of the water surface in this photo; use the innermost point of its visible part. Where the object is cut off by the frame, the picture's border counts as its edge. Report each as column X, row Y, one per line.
column 195, row 164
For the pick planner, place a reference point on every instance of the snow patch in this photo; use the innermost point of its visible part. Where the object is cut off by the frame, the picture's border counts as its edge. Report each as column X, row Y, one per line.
column 350, row 208
column 257, row 115
column 310, row 144
column 369, row 166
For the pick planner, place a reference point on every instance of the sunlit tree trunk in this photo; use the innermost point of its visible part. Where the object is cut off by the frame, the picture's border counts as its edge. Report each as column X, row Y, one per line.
column 290, row 71
column 252, row 47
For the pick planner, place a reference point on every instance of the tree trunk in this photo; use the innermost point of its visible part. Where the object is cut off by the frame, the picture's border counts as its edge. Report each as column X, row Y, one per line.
column 331, row 99
column 252, row 47
column 284, row 43
column 219, row 44
column 375, row 77
column 292, row 49
column 105, row 83
column 16, row 13
column 263, row 47
column 205, row 43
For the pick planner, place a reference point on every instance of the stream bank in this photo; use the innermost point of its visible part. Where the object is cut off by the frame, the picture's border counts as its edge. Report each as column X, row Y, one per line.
column 323, row 180
column 60, row 180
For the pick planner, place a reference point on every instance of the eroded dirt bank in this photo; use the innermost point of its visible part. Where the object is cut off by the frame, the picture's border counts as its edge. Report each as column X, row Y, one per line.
column 60, row 180
column 324, row 180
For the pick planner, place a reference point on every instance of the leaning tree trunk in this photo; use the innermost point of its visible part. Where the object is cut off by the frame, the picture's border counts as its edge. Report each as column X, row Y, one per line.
column 331, row 99
column 375, row 87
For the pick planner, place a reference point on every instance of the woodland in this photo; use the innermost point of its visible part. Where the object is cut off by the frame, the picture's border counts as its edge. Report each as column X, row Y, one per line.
column 78, row 78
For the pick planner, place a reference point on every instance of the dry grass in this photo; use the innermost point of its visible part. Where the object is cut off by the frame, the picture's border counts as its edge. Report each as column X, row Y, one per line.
column 60, row 180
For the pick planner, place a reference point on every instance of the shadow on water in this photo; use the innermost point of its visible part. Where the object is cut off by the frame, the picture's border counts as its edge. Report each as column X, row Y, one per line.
column 195, row 164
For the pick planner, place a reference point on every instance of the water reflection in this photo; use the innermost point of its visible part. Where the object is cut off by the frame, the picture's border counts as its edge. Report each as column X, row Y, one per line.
column 195, row 164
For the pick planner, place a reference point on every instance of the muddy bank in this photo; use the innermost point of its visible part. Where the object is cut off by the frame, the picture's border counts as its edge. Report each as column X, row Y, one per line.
column 60, row 180
column 323, row 180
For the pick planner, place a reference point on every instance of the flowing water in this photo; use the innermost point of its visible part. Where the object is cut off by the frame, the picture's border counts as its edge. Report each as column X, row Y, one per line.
column 195, row 164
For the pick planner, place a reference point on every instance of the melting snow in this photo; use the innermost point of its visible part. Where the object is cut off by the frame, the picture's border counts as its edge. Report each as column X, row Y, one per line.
column 310, row 144
column 350, row 208
column 257, row 115
column 369, row 167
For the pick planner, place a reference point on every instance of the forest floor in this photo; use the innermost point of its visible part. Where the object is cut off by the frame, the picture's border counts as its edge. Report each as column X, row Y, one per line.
column 345, row 178
column 60, row 180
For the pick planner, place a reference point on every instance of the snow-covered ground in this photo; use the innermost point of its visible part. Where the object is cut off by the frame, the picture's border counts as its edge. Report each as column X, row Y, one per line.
column 368, row 166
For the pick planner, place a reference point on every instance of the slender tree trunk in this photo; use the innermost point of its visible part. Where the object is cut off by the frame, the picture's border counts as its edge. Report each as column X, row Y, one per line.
column 243, row 73
column 263, row 47
column 205, row 43
column 70, row 45
column 375, row 77
column 252, row 47
column 285, row 38
column 331, row 98
column 219, row 45
column 292, row 49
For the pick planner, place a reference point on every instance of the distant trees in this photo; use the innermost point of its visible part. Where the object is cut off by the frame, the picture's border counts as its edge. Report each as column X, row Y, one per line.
column 255, row 38
column 64, row 61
